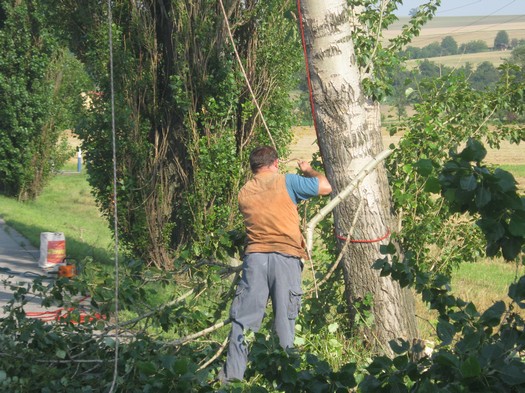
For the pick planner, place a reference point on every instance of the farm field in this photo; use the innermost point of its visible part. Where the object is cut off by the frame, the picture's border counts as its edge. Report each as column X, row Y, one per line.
column 495, row 57
column 464, row 29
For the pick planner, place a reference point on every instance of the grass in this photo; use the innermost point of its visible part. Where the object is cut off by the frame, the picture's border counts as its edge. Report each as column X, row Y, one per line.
column 482, row 283
column 492, row 278
column 517, row 170
column 67, row 206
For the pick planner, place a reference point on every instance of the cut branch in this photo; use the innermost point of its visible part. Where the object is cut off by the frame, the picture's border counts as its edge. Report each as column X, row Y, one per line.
column 369, row 167
column 193, row 336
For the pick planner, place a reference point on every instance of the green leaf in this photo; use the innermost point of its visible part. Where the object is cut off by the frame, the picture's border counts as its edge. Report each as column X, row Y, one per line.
column 517, row 224
column 399, row 346
column 511, row 247
column 299, row 341
column 346, row 376
column 148, row 368
column 445, row 332
column 432, row 185
column 407, row 168
column 505, row 180
column 491, row 228
column 517, row 292
column 400, row 362
column 471, row 367
column 469, row 342
column 492, row 316
column 483, row 196
column 332, row 328
column 446, row 359
column 424, row 167
column 492, row 248
column 513, row 375
column 60, row 353
column 390, row 249
column 379, row 364
column 474, row 151
column 180, row 366
column 289, row 375
column 468, row 183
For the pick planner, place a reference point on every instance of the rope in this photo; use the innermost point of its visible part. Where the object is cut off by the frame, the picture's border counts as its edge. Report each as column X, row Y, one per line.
column 244, row 73
column 115, row 215
column 308, row 77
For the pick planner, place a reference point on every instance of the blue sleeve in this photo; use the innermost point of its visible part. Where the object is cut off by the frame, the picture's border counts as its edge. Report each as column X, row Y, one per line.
column 300, row 188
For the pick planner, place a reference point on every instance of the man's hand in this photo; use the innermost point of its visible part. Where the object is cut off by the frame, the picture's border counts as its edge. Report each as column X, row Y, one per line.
column 305, row 167
column 324, row 186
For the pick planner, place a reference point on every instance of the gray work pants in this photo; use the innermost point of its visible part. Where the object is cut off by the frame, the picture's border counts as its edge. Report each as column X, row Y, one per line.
column 264, row 275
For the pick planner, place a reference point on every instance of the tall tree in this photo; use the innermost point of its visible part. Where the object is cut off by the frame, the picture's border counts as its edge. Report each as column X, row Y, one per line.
column 349, row 135
column 184, row 115
column 449, row 46
column 34, row 73
column 502, row 40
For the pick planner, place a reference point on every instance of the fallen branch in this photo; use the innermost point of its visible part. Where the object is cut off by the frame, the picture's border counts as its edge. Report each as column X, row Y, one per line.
column 144, row 316
column 216, row 356
column 193, row 336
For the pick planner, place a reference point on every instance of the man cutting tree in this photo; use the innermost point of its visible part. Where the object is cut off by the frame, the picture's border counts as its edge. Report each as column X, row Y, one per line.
column 272, row 263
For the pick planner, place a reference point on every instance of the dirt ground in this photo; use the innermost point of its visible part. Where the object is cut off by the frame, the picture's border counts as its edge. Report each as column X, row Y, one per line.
column 304, row 144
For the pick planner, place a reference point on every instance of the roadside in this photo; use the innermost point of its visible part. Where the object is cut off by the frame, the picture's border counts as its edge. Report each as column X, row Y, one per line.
column 18, row 266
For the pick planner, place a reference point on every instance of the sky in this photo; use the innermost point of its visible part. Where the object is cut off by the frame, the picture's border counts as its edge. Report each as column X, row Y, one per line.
column 469, row 7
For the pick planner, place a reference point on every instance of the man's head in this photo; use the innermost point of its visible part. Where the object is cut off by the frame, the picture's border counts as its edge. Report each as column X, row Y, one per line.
column 261, row 157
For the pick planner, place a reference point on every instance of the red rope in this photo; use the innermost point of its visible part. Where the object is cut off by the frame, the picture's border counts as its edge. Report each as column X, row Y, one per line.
column 340, row 237
column 308, row 79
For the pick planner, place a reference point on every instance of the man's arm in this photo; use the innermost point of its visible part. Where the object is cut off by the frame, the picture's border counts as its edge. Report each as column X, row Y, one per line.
column 324, row 186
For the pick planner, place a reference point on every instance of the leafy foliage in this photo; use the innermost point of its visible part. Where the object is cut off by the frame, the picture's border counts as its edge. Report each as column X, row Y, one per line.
column 40, row 353
column 476, row 352
column 184, row 116
column 39, row 91
column 450, row 113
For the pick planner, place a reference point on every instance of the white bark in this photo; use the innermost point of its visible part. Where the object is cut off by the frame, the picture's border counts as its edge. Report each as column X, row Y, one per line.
column 349, row 136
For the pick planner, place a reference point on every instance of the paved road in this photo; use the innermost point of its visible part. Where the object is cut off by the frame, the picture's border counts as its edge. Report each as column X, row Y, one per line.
column 18, row 265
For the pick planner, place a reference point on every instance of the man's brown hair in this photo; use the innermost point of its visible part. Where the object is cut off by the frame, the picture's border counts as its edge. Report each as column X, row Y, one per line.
column 262, row 156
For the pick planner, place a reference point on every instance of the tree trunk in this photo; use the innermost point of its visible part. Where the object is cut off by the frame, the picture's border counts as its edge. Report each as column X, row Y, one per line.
column 349, row 135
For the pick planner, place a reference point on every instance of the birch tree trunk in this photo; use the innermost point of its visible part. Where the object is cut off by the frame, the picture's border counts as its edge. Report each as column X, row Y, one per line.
column 349, row 135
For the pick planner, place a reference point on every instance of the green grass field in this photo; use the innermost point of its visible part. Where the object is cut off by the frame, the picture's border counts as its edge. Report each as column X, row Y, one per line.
column 67, row 206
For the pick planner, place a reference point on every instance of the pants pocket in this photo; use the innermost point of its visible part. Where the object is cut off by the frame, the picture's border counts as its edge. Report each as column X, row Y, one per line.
column 237, row 300
column 294, row 303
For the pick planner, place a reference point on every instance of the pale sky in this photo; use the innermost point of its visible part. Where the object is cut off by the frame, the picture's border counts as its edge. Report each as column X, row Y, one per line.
column 469, row 7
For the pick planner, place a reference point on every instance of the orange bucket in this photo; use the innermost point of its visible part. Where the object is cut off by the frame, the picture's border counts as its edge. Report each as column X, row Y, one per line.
column 68, row 271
